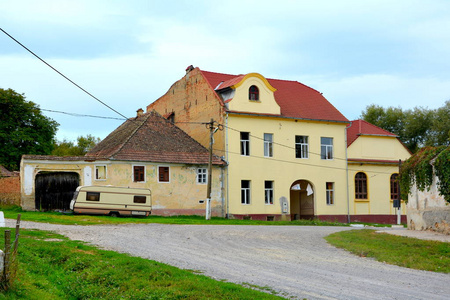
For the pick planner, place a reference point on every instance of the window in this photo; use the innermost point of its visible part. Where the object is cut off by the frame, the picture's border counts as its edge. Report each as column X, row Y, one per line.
column 92, row 196
column 330, row 193
column 100, row 172
column 138, row 173
column 326, row 148
column 268, row 144
column 394, row 187
column 171, row 117
column 268, row 192
column 301, row 146
column 245, row 191
column 245, row 143
column 360, row 186
column 253, row 93
column 163, row 174
column 202, row 175
column 139, row 199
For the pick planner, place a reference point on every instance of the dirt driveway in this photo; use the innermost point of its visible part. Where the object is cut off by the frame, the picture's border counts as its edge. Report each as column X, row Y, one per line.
column 293, row 260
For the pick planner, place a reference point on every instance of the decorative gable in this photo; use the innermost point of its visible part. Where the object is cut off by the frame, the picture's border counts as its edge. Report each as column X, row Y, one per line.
column 250, row 93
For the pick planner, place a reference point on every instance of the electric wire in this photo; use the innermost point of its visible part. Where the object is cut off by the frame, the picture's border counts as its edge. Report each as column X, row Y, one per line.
column 80, row 115
column 67, row 78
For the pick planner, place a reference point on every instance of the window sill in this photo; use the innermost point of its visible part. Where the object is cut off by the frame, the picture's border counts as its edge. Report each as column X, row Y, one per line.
column 362, row 200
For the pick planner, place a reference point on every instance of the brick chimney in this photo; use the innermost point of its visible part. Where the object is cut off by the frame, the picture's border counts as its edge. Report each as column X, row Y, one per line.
column 140, row 112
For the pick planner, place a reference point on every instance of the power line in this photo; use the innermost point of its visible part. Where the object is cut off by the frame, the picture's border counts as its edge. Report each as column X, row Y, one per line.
column 80, row 115
column 54, row 69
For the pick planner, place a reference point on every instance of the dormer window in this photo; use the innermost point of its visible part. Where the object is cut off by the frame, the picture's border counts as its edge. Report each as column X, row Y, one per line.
column 253, row 93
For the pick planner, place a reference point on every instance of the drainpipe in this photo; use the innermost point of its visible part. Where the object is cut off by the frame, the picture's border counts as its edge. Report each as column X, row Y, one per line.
column 227, row 166
column 346, row 170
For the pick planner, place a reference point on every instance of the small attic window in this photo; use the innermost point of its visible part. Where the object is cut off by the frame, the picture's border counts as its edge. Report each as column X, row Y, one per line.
column 253, row 93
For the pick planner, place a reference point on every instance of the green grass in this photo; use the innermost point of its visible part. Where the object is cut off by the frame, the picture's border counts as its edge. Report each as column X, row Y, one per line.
column 11, row 212
column 396, row 250
column 53, row 267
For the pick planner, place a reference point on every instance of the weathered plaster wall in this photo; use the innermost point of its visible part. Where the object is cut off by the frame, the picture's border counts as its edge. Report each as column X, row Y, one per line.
column 193, row 101
column 428, row 210
column 10, row 190
column 180, row 195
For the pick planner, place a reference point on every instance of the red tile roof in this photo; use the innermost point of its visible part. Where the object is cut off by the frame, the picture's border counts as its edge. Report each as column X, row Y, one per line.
column 361, row 127
column 151, row 138
column 295, row 99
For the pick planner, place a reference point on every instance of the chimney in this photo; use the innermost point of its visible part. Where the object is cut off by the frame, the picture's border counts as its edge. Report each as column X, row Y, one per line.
column 190, row 68
column 140, row 112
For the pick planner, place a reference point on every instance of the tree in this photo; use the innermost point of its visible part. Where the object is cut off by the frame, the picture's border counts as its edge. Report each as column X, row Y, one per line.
column 23, row 129
column 416, row 127
column 68, row 148
column 440, row 127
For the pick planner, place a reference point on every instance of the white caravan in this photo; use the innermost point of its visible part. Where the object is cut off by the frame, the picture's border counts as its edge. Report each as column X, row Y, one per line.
column 110, row 200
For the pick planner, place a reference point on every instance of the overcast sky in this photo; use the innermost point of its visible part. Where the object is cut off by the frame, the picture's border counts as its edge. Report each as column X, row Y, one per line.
column 129, row 53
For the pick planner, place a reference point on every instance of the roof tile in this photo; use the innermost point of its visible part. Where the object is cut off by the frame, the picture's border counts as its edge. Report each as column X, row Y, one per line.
column 295, row 99
column 151, row 137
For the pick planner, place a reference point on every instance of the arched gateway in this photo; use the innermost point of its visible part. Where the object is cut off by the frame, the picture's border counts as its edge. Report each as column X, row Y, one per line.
column 302, row 200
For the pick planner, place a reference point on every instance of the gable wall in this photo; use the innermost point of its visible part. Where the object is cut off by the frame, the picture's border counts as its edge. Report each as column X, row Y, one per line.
column 378, row 147
column 266, row 103
column 194, row 101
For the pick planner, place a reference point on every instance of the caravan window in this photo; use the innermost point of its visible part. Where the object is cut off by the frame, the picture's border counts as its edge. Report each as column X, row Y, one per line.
column 92, row 196
column 139, row 199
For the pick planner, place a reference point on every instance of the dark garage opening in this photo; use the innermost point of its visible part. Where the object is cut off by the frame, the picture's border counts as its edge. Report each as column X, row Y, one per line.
column 54, row 190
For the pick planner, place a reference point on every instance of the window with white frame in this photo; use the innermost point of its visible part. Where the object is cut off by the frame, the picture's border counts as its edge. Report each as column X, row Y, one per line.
column 202, row 175
column 330, row 192
column 268, row 144
column 163, row 174
column 326, row 148
column 100, row 172
column 245, row 191
column 268, row 192
column 301, row 146
column 139, row 173
column 245, row 143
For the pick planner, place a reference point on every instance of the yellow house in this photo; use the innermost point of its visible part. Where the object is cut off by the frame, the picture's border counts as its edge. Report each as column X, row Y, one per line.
column 283, row 141
column 144, row 152
column 373, row 167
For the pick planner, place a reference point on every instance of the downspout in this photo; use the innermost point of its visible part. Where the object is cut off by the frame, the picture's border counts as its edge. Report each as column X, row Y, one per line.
column 346, row 170
column 227, row 166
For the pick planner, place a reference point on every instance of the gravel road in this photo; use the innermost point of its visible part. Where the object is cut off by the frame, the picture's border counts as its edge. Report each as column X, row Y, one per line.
column 293, row 260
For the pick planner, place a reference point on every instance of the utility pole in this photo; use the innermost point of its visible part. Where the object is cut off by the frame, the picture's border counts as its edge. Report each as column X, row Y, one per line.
column 213, row 127
column 399, row 208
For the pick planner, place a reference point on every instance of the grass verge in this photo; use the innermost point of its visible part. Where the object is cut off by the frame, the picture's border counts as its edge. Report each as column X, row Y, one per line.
column 396, row 250
column 11, row 212
column 54, row 267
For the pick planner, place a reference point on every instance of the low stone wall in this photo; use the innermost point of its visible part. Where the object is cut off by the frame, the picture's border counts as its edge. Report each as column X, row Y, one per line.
column 436, row 219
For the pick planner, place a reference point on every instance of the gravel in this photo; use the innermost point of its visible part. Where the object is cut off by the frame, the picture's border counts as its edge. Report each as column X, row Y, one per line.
column 294, row 261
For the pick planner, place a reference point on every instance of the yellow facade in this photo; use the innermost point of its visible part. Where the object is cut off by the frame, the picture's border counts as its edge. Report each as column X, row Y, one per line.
column 377, row 157
column 284, row 169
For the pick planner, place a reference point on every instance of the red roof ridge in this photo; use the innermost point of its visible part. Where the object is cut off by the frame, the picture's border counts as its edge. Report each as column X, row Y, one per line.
column 388, row 133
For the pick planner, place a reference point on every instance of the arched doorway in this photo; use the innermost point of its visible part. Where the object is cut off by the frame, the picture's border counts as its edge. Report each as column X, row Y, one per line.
column 302, row 200
column 54, row 190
